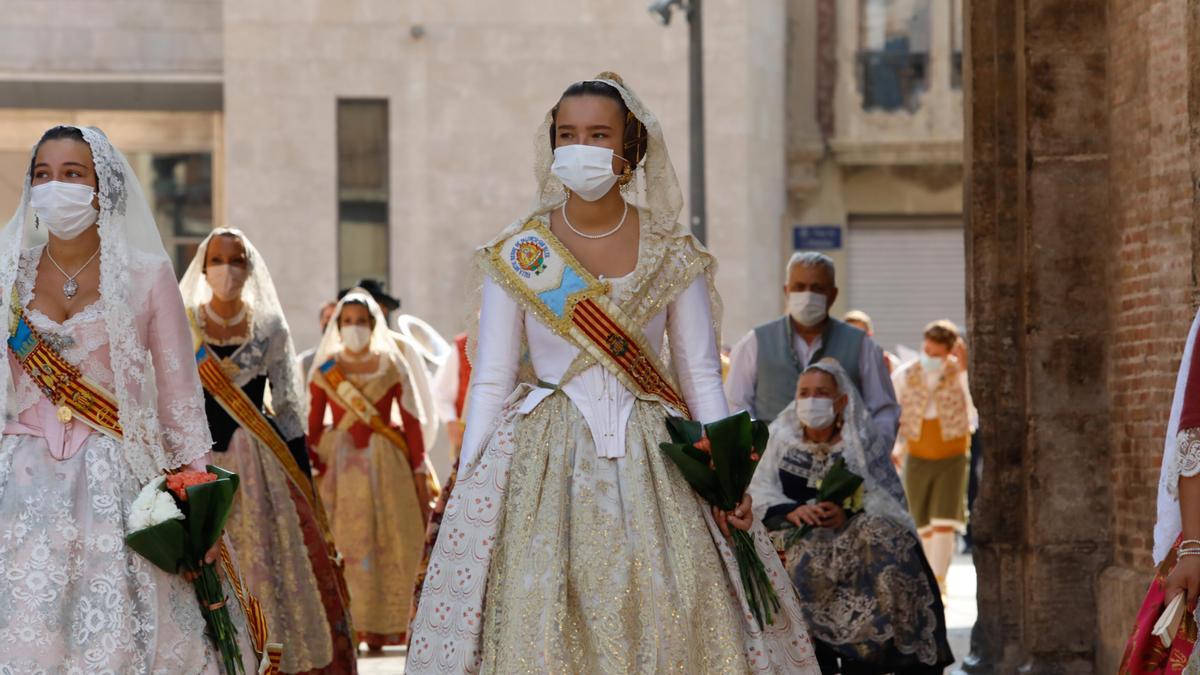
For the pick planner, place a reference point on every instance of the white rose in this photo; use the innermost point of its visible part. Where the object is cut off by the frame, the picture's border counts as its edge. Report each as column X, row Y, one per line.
column 145, row 509
column 139, row 515
column 165, row 509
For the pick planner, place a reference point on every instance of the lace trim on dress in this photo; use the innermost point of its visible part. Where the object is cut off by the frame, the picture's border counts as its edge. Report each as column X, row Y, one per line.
column 74, row 338
column 1187, row 458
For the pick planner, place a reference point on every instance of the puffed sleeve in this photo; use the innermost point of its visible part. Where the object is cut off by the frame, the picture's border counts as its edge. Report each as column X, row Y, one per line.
column 695, row 354
column 494, row 372
column 412, row 431
column 184, row 427
column 281, row 372
column 317, row 400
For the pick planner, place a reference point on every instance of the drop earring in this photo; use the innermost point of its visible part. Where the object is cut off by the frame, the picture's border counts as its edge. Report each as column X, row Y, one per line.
column 626, row 176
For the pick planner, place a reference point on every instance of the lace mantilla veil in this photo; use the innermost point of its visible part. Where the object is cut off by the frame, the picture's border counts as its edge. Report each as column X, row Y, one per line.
column 132, row 260
column 865, row 451
column 654, row 190
column 382, row 343
column 266, row 313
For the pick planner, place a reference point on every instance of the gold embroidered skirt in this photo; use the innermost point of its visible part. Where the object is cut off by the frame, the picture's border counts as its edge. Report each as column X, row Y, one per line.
column 376, row 520
column 552, row 560
column 268, row 536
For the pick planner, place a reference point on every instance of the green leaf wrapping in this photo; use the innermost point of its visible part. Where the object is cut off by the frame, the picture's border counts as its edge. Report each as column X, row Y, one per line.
column 208, row 507
column 695, row 471
column 684, row 432
column 838, row 484
column 730, row 439
column 164, row 544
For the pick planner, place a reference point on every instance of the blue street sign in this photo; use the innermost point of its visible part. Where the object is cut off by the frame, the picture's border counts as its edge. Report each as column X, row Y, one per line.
column 817, row 237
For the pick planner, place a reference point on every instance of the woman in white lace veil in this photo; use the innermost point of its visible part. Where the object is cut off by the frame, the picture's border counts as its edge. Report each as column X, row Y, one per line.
column 860, row 560
column 373, row 478
column 651, row 187
column 865, row 451
column 101, row 294
column 287, row 557
column 560, row 463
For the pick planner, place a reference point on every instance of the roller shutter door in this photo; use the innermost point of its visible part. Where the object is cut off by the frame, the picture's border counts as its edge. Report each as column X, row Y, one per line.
column 906, row 274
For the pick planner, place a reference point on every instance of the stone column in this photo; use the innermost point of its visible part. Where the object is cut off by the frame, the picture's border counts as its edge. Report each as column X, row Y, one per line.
column 1037, row 246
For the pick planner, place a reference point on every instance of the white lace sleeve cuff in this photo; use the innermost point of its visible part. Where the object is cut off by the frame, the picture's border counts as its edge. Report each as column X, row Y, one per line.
column 1187, row 458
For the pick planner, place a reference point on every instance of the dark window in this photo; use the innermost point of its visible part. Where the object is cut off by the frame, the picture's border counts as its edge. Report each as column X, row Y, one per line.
column 362, row 176
column 893, row 53
column 180, row 193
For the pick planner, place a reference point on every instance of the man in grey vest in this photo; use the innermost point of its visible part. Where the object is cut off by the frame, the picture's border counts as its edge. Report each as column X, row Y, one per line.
column 766, row 364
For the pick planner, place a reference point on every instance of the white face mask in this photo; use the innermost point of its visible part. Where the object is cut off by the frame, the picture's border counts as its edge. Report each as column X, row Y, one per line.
column 65, row 208
column 807, row 308
column 356, row 338
column 932, row 364
column 815, row 413
column 586, row 170
column 225, row 280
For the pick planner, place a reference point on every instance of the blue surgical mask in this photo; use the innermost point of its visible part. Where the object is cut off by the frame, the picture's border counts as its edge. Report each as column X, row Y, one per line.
column 932, row 364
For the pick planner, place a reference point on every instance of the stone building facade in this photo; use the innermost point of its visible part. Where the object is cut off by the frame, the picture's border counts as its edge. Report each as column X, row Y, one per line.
column 255, row 114
column 1083, row 139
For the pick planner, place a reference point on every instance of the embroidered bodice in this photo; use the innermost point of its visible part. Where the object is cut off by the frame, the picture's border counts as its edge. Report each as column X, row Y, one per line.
column 685, row 319
column 83, row 341
column 261, row 358
column 383, row 387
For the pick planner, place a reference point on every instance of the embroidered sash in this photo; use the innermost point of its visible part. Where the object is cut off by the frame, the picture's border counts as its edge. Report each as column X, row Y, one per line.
column 346, row 395
column 234, row 401
column 76, row 395
column 564, row 296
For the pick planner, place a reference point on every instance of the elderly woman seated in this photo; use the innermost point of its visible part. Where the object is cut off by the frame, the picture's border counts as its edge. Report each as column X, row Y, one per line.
column 871, row 602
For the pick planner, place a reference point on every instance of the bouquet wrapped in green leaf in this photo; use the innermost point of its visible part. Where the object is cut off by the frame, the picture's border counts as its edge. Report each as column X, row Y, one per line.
column 718, row 461
column 173, row 523
column 840, row 486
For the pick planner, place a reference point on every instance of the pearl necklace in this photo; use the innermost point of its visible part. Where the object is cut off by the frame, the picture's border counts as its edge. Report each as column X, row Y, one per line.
column 70, row 288
column 234, row 320
column 602, row 235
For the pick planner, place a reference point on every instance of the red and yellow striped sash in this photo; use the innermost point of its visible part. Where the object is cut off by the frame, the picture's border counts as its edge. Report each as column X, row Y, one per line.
column 61, row 382
column 551, row 284
column 622, row 350
column 234, row 401
column 346, row 395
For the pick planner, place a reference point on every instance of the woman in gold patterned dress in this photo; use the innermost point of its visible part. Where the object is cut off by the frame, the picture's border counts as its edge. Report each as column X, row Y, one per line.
column 277, row 524
column 571, row 543
column 373, row 472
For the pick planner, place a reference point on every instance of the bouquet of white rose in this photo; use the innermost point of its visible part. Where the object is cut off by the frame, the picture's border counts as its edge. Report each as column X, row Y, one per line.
column 173, row 522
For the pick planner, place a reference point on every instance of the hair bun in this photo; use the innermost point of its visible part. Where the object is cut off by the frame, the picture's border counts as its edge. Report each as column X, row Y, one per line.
column 610, row 75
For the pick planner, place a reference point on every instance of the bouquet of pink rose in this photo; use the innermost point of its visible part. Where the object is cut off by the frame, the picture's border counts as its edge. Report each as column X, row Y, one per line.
column 718, row 461
column 173, row 523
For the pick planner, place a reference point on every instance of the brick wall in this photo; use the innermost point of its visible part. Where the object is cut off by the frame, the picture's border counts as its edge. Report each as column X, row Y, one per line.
column 1151, row 210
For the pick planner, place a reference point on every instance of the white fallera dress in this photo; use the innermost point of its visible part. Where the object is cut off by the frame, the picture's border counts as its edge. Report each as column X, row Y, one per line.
column 73, row 597
column 571, row 543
